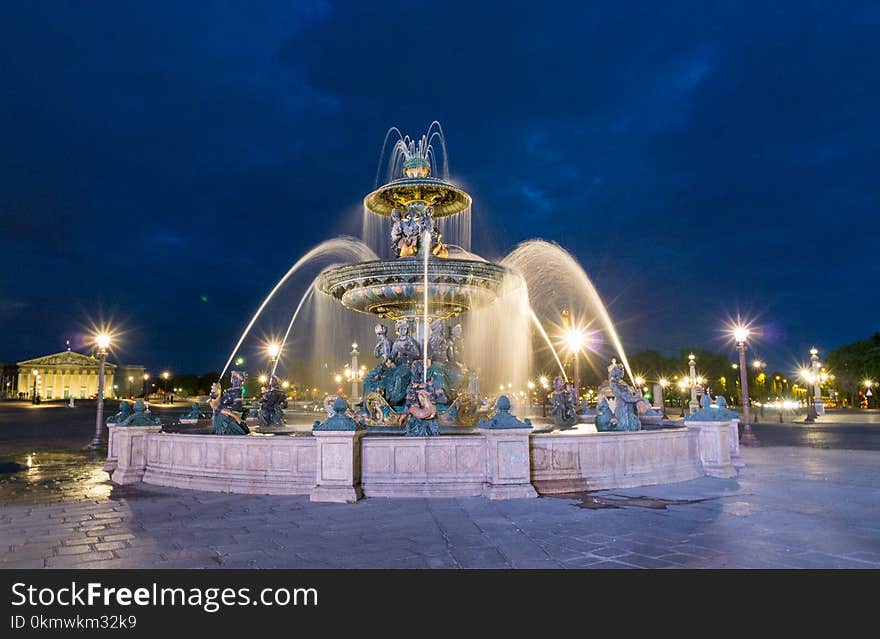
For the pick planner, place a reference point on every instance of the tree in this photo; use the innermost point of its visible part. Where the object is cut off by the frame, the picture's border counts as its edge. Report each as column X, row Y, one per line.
column 851, row 364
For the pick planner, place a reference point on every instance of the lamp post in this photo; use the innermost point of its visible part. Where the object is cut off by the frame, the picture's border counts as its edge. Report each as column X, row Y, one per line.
column 102, row 340
column 660, row 400
column 146, row 387
column 273, row 350
column 545, row 387
column 868, row 383
column 574, row 339
column 165, row 376
column 741, row 334
column 36, row 374
column 817, row 379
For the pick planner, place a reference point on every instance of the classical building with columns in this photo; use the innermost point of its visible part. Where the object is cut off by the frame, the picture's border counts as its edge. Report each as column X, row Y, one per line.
column 69, row 373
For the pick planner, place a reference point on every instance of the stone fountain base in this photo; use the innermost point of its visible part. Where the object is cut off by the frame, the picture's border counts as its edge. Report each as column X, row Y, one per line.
column 497, row 464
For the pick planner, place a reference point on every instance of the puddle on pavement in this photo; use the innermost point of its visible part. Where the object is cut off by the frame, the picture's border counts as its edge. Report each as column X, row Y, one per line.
column 595, row 502
column 53, row 476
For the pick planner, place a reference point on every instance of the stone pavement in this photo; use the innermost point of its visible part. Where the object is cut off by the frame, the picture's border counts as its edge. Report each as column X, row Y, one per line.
column 789, row 507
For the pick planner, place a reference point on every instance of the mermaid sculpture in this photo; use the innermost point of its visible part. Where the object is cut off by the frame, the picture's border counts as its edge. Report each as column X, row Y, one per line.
column 139, row 417
column 625, row 400
column 561, row 404
column 227, row 407
column 272, row 405
column 122, row 415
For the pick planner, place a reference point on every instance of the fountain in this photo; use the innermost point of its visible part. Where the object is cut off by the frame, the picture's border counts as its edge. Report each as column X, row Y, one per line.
column 450, row 326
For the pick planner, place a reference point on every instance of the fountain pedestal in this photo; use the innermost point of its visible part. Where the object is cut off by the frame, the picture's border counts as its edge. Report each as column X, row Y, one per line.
column 131, row 448
column 715, row 448
column 113, row 443
column 338, row 466
column 507, row 463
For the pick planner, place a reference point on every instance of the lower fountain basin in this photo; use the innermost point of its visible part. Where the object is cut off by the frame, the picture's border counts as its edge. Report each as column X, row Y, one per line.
column 395, row 288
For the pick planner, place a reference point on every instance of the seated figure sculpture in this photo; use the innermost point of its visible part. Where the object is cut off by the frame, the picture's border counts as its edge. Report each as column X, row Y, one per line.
column 139, row 417
column 122, row 415
column 193, row 414
column 625, row 400
column 562, row 407
column 227, row 419
column 438, row 342
column 272, row 405
column 405, row 349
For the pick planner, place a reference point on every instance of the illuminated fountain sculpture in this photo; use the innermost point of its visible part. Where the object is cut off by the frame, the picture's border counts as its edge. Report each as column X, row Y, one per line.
column 421, row 378
column 447, row 323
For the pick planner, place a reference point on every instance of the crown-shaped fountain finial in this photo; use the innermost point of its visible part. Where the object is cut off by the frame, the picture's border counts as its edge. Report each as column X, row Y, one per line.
column 416, row 167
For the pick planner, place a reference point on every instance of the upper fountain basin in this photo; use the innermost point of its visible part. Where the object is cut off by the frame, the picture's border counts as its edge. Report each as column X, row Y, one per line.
column 395, row 288
column 444, row 197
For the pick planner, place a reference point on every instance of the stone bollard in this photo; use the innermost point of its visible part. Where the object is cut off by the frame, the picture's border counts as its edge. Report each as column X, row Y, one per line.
column 714, row 443
column 338, row 457
column 113, row 444
column 507, row 454
column 131, row 446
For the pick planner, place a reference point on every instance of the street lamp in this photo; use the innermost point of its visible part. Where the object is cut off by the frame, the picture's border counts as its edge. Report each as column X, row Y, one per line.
column 868, row 383
column 36, row 374
column 682, row 387
column 146, row 387
column 741, row 334
column 817, row 382
column 102, row 341
column 574, row 340
column 273, row 350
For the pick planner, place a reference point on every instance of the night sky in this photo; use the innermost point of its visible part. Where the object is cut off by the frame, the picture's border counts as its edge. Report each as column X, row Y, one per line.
column 164, row 163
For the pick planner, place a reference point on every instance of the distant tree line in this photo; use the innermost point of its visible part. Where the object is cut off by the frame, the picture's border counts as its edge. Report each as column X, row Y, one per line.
column 851, row 365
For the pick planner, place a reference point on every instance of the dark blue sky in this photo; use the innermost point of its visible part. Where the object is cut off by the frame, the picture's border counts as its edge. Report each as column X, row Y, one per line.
column 698, row 158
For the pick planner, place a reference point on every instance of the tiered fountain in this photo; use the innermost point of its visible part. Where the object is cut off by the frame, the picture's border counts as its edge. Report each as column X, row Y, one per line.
column 459, row 322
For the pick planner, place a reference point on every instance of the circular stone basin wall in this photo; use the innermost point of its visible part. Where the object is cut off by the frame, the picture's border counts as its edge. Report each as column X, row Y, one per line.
column 442, row 466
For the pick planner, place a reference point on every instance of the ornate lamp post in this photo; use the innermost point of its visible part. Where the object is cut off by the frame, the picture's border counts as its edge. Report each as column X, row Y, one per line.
column 817, row 378
column 741, row 334
column 102, row 340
